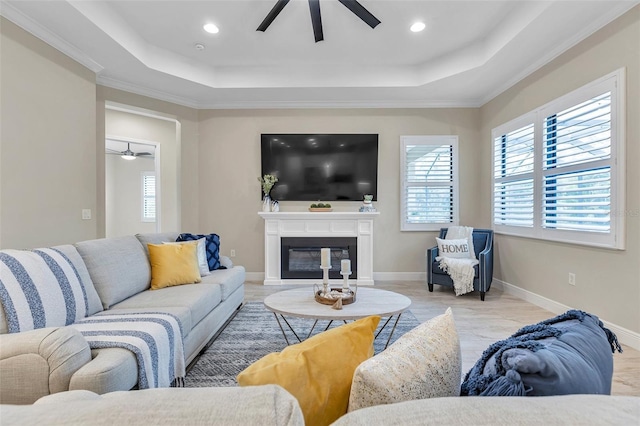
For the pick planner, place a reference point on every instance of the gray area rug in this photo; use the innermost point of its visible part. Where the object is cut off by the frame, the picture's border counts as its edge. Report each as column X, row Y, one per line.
column 254, row 333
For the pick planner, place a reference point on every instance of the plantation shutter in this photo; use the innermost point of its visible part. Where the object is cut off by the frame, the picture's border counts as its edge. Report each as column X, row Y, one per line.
column 577, row 167
column 513, row 192
column 429, row 182
column 148, row 196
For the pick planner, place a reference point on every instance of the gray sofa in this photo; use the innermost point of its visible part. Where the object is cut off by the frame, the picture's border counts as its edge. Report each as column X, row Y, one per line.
column 45, row 361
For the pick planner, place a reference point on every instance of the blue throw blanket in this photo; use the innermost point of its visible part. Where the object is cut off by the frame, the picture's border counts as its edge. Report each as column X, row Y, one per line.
column 568, row 354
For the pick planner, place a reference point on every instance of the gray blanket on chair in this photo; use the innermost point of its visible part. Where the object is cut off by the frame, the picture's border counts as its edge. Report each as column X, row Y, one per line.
column 568, row 354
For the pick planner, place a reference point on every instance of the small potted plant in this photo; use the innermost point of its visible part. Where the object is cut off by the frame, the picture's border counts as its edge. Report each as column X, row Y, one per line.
column 320, row 207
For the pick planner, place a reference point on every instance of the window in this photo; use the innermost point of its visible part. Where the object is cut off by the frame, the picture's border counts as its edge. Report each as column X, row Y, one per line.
column 148, row 196
column 429, row 193
column 558, row 171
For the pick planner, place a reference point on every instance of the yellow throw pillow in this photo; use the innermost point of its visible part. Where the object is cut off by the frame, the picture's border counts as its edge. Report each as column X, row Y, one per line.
column 318, row 371
column 173, row 264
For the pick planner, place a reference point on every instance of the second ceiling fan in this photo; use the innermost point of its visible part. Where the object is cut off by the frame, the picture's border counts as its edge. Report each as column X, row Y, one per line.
column 316, row 19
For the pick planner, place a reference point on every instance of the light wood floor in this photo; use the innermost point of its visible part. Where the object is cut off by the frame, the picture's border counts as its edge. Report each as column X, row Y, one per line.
column 481, row 323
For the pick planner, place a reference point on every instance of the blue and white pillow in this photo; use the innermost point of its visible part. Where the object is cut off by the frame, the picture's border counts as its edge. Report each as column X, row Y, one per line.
column 41, row 288
column 212, row 245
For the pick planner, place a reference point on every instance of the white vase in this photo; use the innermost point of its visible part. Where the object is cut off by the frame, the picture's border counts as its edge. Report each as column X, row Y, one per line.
column 266, row 204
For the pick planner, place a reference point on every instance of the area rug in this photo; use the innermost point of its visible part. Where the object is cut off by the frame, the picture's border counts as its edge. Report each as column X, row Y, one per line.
column 254, row 333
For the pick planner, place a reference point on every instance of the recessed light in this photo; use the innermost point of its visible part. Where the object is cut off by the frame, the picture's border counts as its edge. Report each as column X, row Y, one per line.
column 418, row 26
column 199, row 46
column 211, row 28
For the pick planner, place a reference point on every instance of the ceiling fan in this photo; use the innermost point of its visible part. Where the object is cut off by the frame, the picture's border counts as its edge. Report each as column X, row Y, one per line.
column 127, row 154
column 316, row 20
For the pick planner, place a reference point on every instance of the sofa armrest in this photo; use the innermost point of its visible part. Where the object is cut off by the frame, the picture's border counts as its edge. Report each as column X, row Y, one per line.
column 431, row 255
column 39, row 362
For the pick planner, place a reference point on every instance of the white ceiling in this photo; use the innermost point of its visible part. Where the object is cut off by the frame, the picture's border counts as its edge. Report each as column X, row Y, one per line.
column 470, row 51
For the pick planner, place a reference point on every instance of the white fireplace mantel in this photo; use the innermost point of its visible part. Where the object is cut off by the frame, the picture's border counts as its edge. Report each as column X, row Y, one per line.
column 314, row 224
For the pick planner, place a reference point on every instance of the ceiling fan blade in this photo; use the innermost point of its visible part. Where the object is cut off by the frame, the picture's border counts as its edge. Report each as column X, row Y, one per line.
column 316, row 19
column 361, row 12
column 113, row 151
column 142, row 153
column 275, row 11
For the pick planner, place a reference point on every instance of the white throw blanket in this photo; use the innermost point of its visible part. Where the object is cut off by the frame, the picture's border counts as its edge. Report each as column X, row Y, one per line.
column 461, row 271
column 154, row 338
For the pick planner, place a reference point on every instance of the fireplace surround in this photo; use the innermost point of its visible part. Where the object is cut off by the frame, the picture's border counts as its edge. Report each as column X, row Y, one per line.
column 352, row 230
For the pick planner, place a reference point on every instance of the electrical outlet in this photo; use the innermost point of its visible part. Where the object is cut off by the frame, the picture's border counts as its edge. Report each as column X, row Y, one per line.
column 86, row 214
column 572, row 278
column 232, row 253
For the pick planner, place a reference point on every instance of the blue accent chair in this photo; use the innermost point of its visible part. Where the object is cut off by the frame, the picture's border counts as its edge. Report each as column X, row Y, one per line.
column 483, row 246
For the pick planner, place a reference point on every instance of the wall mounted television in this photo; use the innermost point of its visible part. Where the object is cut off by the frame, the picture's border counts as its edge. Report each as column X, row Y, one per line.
column 321, row 167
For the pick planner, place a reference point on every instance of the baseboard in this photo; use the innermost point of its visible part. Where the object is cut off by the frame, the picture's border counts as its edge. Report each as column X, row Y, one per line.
column 254, row 276
column 625, row 336
column 399, row 276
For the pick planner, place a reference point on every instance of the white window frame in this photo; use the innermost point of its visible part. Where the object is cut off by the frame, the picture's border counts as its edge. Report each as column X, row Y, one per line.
column 435, row 140
column 614, row 239
column 144, row 197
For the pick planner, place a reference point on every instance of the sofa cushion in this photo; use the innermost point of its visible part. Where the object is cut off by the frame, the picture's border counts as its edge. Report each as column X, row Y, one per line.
column 546, row 410
column 173, row 264
column 567, row 354
column 118, row 267
column 264, row 405
column 156, row 238
column 212, row 245
column 229, row 279
column 423, row 363
column 317, row 371
column 200, row 299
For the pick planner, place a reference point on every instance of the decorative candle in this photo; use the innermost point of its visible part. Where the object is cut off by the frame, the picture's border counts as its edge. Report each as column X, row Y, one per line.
column 345, row 265
column 325, row 257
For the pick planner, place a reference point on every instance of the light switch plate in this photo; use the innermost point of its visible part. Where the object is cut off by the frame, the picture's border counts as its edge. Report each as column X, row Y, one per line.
column 86, row 214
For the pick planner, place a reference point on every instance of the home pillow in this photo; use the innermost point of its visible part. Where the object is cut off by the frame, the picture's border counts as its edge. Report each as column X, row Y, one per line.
column 568, row 354
column 173, row 264
column 457, row 249
column 423, row 363
column 317, row 371
column 212, row 245
column 201, row 254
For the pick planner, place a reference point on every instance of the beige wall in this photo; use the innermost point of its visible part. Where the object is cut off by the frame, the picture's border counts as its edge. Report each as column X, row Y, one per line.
column 48, row 164
column 124, row 196
column 607, row 281
column 128, row 126
column 179, row 156
column 230, row 165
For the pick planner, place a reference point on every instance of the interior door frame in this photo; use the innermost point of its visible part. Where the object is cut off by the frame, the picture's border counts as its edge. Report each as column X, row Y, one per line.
column 156, row 166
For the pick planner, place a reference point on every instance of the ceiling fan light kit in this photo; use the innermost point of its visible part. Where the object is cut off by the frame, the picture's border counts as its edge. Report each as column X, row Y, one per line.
column 127, row 154
column 316, row 18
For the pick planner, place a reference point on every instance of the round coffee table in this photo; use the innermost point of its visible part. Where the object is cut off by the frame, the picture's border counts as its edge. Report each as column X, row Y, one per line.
column 301, row 303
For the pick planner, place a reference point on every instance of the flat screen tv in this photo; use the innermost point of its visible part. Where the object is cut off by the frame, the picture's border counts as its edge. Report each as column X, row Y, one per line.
column 321, row 167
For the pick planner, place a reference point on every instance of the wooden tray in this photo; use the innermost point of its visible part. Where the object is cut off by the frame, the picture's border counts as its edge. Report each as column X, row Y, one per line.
column 351, row 298
column 320, row 209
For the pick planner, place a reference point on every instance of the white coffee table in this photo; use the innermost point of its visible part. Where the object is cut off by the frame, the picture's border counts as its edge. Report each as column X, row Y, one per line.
column 301, row 303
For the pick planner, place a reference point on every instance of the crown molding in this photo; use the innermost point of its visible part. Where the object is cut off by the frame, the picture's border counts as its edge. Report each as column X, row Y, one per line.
column 603, row 20
column 144, row 91
column 26, row 23
column 187, row 102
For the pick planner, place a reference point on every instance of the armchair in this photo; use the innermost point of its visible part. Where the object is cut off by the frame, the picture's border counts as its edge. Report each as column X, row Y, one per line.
column 483, row 246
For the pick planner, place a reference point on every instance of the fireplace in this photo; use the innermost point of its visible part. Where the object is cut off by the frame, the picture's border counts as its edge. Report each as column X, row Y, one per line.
column 300, row 256
column 356, row 227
